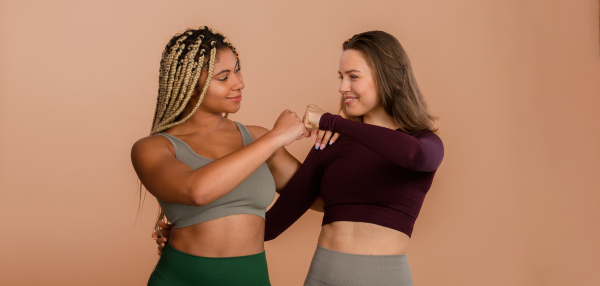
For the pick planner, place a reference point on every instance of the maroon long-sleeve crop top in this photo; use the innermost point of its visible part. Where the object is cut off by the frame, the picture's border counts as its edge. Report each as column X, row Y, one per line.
column 371, row 174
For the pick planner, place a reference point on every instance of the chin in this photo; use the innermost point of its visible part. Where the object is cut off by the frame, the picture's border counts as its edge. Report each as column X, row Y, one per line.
column 354, row 112
column 233, row 110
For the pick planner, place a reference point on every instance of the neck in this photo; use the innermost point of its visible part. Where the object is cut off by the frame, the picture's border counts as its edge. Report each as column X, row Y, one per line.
column 200, row 120
column 379, row 117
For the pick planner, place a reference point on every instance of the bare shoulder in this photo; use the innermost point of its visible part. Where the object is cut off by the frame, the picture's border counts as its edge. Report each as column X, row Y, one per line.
column 150, row 145
column 257, row 131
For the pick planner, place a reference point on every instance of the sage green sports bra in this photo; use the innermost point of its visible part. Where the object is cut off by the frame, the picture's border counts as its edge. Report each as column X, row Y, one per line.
column 252, row 196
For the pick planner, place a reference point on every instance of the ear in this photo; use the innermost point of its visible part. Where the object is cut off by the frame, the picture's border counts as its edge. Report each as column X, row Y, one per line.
column 197, row 89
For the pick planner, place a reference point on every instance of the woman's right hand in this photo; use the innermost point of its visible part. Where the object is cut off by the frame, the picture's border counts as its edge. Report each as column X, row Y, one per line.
column 288, row 128
column 165, row 230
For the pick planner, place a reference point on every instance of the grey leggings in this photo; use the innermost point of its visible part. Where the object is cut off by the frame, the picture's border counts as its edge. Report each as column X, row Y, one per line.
column 334, row 268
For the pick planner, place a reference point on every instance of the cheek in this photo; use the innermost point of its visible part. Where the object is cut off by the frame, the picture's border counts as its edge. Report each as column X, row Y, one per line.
column 214, row 96
column 367, row 92
column 216, row 90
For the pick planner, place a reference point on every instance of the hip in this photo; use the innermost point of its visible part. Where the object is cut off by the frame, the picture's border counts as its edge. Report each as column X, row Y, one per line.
column 179, row 268
column 333, row 268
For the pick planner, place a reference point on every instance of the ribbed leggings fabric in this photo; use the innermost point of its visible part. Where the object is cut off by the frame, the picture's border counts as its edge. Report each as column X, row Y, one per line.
column 334, row 268
column 176, row 268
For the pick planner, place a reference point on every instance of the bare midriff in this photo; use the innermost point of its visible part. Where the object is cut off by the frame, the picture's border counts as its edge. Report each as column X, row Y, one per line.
column 230, row 236
column 362, row 238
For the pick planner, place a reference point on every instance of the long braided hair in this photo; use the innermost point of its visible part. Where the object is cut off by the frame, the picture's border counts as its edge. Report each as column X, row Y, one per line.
column 181, row 65
column 183, row 60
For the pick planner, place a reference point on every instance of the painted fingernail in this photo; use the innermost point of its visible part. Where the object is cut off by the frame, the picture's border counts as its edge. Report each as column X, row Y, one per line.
column 331, row 142
column 322, row 146
column 317, row 146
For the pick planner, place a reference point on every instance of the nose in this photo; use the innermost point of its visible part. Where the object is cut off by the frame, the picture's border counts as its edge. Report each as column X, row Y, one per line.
column 239, row 83
column 344, row 86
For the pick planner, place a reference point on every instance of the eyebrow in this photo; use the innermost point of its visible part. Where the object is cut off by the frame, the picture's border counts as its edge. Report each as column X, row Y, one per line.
column 236, row 66
column 349, row 71
column 221, row 72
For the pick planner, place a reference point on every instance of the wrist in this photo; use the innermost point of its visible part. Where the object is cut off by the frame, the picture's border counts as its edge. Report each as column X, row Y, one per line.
column 273, row 139
column 318, row 121
column 322, row 121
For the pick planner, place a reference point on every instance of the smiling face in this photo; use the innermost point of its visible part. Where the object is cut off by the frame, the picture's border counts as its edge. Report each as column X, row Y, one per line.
column 224, row 94
column 357, row 86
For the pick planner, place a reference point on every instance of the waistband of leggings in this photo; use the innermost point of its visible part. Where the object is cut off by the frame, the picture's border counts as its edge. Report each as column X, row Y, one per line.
column 333, row 252
column 175, row 252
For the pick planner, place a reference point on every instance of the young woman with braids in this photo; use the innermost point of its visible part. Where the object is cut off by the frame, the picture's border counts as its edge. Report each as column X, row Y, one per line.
column 212, row 177
column 374, row 180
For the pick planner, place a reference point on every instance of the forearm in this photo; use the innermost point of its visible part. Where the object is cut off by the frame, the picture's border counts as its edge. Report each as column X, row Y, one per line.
column 297, row 197
column 214, row 180
column 421, row 152
column 283, row 167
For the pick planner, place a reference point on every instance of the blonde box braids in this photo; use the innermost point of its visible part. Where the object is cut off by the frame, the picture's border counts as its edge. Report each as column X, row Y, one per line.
column 180, row 70
column 179, row 74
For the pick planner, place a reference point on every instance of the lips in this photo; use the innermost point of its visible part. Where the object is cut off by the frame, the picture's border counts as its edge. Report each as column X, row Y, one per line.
column 349, row 99
column 235, row 98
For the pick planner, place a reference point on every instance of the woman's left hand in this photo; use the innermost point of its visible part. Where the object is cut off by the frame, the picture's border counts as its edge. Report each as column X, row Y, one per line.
column 312, row 116
column 311, row 119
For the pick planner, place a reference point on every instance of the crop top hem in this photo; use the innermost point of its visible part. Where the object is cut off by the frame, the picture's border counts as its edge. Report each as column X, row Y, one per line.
column 206, row 216
column 369, row 213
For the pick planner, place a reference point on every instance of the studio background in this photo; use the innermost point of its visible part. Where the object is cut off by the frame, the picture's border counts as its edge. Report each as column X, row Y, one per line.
column 516, row 85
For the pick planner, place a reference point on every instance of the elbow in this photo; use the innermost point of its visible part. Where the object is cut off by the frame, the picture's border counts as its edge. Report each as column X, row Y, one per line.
column 427, row 168
column 270, row 236
column 199, row 195
column 426, row 156
column 424, row 162
column 201, row 191
column 197, row 198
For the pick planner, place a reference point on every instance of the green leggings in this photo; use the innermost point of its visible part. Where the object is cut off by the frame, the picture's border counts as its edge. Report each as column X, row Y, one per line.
column 176, row 268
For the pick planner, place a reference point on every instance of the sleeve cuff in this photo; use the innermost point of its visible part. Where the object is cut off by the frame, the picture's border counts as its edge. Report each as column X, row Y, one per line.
column 326, row 121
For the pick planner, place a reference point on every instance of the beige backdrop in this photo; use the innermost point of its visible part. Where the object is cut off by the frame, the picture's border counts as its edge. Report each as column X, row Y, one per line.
column 516, row 85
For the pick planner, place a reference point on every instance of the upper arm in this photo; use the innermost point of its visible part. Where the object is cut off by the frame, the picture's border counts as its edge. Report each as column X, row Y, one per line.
column 165, row 177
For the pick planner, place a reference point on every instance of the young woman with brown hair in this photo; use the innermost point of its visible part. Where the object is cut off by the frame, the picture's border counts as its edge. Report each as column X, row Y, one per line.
column 373, row 181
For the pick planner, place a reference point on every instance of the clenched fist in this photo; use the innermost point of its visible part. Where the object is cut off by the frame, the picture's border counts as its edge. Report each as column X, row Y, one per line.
column 312, row 116
column 289, row 128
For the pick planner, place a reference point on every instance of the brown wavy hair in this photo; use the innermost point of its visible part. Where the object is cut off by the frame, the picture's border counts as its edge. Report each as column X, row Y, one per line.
column 394, row 78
